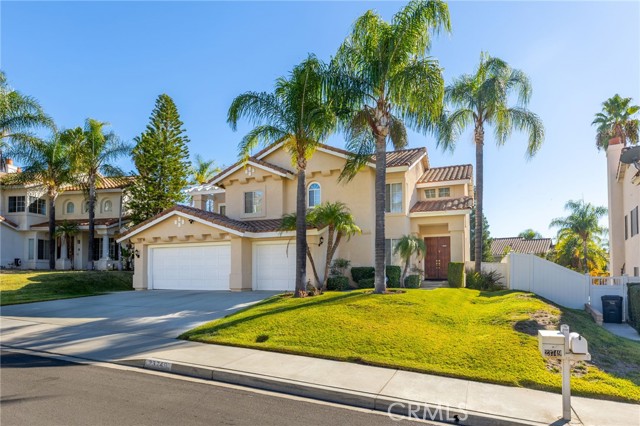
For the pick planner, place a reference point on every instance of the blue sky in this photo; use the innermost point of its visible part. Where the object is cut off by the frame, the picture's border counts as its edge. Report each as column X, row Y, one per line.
column 110, row 60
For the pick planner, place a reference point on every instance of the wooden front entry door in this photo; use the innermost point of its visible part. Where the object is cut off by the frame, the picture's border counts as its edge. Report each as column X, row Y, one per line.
column 437, row 258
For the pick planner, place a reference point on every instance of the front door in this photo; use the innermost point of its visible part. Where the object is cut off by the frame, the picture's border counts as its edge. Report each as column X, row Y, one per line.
column 437, row 257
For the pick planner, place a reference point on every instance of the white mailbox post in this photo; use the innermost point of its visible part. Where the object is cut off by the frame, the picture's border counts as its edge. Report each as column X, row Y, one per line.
column 567, row 347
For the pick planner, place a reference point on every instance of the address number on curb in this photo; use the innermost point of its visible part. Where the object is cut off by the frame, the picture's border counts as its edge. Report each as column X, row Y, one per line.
column 157, row 365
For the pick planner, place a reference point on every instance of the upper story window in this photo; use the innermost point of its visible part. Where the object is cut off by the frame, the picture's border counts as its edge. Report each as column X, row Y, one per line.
column 208, row 205
column 393, row 198
column 443, row 192
column 430, row 193
column 626, row 227
column 634, row 222
column 107, row 206
column 70, row 208
column 86, row 206
column 37, row 205
column 16, row 204
column 222, row 209
column 253, row 202
column 313, row 196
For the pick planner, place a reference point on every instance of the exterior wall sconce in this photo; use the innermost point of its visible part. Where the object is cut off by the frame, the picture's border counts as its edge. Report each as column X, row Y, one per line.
column 137, row 253
column 321, row 241
column 191, row 221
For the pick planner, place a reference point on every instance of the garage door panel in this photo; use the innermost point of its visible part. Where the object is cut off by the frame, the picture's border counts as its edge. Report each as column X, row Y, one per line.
column 274, row 266
column 191, row 267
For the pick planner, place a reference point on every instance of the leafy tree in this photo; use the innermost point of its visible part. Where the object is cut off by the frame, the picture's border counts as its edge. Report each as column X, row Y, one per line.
column 19, row 116
column 569, row 252
column 482, row 99
column 407, row 247
column 203, row 170
column 487, row 256
column 93, row 153
column 65, row 231
column 47, row 162
column 580, row 226
column 161, row 158
column 616, row 120
column 382, row 79
column 529, row 234
column 296, row 115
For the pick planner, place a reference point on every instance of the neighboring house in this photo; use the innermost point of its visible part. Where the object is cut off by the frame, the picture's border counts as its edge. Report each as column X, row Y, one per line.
column 230, row 238
column 624, row 199
column 501, row 246
column 24, row 224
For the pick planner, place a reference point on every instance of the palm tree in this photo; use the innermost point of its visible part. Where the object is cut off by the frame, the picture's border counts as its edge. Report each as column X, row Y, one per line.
column 569, row 251
column 407, row 247
column 582, row 223
column 93, row 153
column 482, row 99
column 616, row 121
column 529, row 234
column 296, row 115
column 65, row 231
column 382, row 78
column 19, row 115
column 203, row 170
column 48, row 163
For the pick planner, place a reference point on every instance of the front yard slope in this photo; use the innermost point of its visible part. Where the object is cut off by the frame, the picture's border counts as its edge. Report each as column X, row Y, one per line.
column 461, row 333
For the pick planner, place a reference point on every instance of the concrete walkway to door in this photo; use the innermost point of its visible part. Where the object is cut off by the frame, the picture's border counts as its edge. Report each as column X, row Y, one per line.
column 119, row 324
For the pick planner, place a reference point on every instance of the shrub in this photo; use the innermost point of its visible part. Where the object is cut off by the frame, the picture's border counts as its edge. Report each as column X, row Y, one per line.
column 366, row 283
column 338, row 283
column 339, row 265
column 484, row 281
column 412, row 281
column 393, row 273
column 455, row 274
column 634, row 305
column 359, row 273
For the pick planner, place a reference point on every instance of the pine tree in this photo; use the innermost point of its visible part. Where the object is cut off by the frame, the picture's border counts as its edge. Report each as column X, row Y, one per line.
column 161, row 157
column 486, row 238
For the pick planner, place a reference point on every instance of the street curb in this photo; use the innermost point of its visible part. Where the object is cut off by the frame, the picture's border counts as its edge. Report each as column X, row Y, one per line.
column 378, row 402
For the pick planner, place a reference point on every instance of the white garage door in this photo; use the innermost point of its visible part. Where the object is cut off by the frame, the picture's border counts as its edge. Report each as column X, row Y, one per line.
column 190, row 267
column 274, row 266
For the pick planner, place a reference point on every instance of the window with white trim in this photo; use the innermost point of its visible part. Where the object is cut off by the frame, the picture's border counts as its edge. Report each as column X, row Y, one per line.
column 70, row 208
column 37, row 205
column 43, row 249
column 634, row 222
column 313, row 195
column 443, row 192
column 253, row 202
column 393, row 198
column 430, row 193
column 17, row 204
column 208, row 205
column 389, row 257
column 222, row 209
column 32, row 249
column 107, row 206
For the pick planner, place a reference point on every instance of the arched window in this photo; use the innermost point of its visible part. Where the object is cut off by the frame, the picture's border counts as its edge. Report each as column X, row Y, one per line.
column 86, row 206
column 70, row 208
column 313, row 195
column 107, row 206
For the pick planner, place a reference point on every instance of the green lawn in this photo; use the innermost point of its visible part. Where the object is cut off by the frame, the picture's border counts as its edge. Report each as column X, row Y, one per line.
column 462, row 333
column 36, row 286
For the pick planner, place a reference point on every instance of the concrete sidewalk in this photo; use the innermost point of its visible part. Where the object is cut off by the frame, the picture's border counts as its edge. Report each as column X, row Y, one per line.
column 432, row 397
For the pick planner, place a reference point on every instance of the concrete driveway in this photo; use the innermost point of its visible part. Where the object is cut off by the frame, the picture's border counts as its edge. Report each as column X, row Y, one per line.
column 117, row 325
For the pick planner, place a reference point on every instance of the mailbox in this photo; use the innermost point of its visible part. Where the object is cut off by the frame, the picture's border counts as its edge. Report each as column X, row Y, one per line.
column 551, row 343
column 578, row 344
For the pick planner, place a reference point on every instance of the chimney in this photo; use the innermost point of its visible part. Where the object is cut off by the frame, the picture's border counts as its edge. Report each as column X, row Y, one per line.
column 9, row 161
column 19, row 170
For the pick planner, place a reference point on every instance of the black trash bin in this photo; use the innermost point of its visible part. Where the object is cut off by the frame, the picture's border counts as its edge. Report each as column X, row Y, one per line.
column 612, row 309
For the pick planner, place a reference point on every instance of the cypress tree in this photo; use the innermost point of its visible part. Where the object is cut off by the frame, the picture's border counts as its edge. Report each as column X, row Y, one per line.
column 161, row 157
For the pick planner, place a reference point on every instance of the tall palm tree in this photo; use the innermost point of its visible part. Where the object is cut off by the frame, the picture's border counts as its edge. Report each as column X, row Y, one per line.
column 203, row 170
column 48, row 163
column 19, row 116
column 296, row 115
column 616, row 120
column 482, row 99
column 383, row 79
column 407, row 247
column 529, row 234
column 582, row 223
column 569, row 251
column 93, row 154
column 65, row 231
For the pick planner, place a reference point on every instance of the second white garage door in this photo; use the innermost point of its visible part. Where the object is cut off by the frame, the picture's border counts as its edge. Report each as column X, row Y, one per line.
column 190, row 267
column 274, row 266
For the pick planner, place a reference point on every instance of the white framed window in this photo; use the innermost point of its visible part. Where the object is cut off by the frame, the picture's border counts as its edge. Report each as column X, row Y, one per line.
column 37, row 205
column 43, row 249
column 313, row 195
column 222, row 209
column 107, row 206
column 208, row 205
column 443, row 192
column 70, row 208
column 253, row 202
column 635, row 222
column 393, row 198
column 389, row 257
column 430, row 193
column 32, row 249
column 17, row 204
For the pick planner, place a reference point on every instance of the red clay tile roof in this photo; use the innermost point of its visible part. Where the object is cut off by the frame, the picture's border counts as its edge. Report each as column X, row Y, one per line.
column 105, row 183
column 8, row 222
column 403, row 157
column 441, row 174
column 84, row 222
column 462, row 203
column 520, row 245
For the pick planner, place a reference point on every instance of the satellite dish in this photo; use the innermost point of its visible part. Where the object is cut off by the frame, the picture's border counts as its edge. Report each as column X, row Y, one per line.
column 631, row 155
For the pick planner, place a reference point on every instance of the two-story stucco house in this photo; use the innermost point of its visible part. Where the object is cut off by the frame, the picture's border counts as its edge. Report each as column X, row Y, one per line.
column 230, row 238
column 624, row 224
column 24, row 225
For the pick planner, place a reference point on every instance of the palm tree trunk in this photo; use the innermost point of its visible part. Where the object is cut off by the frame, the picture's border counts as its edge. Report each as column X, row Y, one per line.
column 313, row 267
column 52, row 230
column 404, row 272
column 92, row 217
column 586, row 267
column 479, row 141
column 381, row 163
column 301, row 235
column 330, row 254
column 327, row 261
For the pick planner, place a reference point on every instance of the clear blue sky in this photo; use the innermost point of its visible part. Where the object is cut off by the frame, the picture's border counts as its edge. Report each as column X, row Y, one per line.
column 110, row 60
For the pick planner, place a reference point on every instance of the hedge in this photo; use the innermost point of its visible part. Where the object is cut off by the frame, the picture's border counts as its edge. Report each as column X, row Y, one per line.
column 367, row 283
column 338, row 283
column 359, row 273
column 455, row 274
column 634, row 306
column 412, row 281
column 394, row 274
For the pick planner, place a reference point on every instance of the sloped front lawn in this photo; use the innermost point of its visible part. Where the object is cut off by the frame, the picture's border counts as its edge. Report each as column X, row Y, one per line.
column 37, row 286
column 452, row 332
